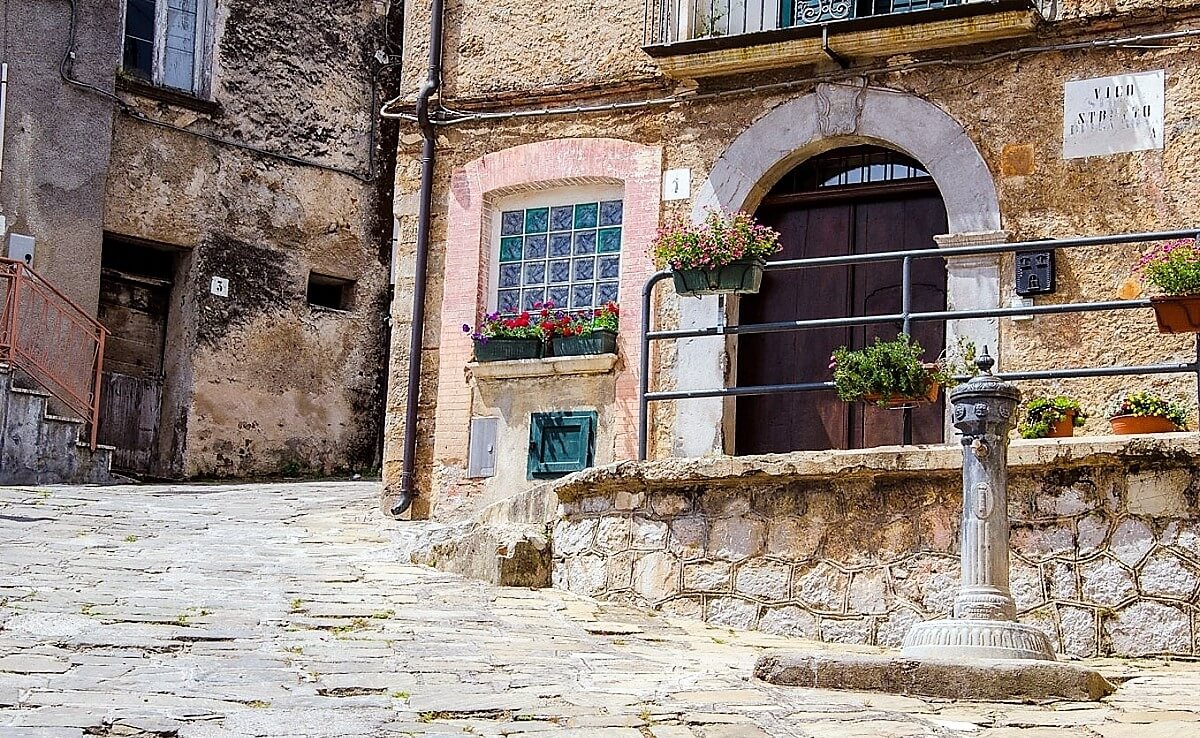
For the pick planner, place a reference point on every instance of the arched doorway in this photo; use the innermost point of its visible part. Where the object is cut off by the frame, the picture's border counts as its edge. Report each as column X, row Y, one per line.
column 857, row 200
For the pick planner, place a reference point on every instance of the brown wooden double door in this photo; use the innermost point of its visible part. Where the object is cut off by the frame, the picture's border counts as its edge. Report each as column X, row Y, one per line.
column 834, row 226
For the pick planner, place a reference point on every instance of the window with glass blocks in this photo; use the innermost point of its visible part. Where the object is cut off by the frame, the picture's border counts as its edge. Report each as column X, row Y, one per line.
column 569, row 255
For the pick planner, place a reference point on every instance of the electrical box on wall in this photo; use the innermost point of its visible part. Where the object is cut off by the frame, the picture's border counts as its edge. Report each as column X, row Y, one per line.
column 20, row 248
column 481, row 460
column 1035, row 273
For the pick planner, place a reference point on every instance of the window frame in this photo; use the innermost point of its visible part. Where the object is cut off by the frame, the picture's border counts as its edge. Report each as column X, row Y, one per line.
column 542, row 198
column 202, row 51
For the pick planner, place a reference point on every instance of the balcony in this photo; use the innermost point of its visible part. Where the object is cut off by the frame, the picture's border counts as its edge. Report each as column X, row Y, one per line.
column 691, row 39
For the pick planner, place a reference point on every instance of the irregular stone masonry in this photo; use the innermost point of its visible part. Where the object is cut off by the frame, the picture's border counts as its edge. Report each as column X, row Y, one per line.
column 1106, row 550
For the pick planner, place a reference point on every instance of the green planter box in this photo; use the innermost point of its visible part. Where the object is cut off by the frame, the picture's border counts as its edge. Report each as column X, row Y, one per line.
column 739, row 277
column 507, row 349
column 599, row 342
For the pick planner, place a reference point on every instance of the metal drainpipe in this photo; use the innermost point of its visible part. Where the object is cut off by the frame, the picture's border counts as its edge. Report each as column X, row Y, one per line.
column 3, row 113
column 424, row 215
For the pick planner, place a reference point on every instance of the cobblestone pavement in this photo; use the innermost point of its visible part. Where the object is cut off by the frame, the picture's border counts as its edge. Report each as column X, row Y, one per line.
column 284, row 610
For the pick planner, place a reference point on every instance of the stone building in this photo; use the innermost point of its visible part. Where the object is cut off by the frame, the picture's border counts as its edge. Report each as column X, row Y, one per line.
column 852, row 128
column 203, row 177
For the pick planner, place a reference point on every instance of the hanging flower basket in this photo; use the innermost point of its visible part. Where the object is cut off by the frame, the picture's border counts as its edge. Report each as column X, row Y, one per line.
column 595, row 343
column 1128, row 425
column 741, row 277
column 1173, row 268
column 1177, row 314
column 900, row 402
column 721, row 255
column 507, row 349
column 889, row 374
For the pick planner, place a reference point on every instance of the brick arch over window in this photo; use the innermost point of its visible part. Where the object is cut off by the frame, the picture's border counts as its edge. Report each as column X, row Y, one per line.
column 831, row 117
column 474, row 190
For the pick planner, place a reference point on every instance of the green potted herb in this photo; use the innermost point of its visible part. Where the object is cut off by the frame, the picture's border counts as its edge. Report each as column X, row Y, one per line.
column 1144, row 412
column 1173, row 268
column 581, row 334
column 1051, row 417
column 724, row 254
column 504, row 338
column 887, row 373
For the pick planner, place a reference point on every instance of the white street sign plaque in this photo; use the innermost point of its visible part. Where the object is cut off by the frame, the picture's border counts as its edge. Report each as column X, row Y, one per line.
column 1112, row 115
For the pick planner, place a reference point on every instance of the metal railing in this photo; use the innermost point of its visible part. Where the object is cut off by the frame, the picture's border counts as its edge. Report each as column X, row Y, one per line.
column 906, row 317
column 54, row 341
column 668, row 21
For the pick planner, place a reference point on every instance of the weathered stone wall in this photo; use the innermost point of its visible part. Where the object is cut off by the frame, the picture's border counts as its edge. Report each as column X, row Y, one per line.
column 855, row 547
column 56, row 197
column 1009, row 106
column 261, row 382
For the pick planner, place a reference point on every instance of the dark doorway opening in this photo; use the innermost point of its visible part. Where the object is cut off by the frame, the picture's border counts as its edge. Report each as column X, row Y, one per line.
column 857, row 200
column 135, row 297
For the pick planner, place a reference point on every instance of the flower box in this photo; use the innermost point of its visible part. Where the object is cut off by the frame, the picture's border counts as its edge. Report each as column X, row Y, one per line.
column 507, row 349
column 1177, row 314
column 597, row 342
column 741, row 277
column 1128, row 425
column 899, row 402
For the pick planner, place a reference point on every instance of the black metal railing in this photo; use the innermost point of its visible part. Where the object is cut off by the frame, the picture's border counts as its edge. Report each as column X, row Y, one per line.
column 905, row 318
column 668, row 21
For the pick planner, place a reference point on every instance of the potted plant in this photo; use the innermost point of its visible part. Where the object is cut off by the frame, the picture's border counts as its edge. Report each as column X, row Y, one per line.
column 504, row 338
column 887, row 373
column 1051, row 417
column 581, row 334
column 724, row 254
column 1144, row 412
column 1173, row 268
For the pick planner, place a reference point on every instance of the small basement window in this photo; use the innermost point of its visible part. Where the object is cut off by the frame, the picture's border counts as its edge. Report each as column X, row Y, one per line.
column 561, row 443
column 334, row 293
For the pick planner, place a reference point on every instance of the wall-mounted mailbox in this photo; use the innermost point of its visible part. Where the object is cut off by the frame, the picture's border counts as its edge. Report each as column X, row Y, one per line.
column 1035, row 273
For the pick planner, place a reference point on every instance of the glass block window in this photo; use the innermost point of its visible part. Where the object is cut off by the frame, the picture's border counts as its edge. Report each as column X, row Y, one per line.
column 566, row 254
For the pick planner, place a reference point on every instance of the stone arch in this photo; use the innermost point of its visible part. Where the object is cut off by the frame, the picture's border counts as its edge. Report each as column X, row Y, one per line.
column 831, row 117
column 843, row 115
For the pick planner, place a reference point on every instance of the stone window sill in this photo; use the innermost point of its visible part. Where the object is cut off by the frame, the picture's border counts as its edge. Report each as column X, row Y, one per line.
column 177, row 98
column 558, row 366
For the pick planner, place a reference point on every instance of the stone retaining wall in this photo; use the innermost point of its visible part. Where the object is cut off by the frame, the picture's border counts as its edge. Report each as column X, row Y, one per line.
column 855, row 547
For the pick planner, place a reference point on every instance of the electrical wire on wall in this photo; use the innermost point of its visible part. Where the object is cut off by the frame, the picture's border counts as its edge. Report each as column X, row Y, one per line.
column 124, row 107
column 452, row 117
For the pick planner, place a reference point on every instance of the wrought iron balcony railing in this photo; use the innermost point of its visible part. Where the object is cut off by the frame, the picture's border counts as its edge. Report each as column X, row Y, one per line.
column 669, row 21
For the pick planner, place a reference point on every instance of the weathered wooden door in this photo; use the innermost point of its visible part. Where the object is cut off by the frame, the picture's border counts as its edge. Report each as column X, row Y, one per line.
column 134, row 309
column 865, row 201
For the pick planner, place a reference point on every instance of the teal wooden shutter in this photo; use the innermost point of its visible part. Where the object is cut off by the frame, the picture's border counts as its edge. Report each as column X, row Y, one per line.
column 561, row 443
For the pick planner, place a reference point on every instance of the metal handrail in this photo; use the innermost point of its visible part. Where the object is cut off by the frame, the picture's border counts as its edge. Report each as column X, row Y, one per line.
column 53, row 340
column 906, row 317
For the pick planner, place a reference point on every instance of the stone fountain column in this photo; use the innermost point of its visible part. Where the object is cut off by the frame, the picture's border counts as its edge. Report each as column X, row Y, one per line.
column 983, row 623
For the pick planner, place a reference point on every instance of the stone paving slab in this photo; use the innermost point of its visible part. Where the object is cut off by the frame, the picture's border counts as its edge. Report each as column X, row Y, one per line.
column 209, row 611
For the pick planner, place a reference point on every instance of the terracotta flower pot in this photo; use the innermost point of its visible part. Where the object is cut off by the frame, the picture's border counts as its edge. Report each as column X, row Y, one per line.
column 902, row 401
column 1177, row 314
column 1127, row 425
column 1064, row 428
